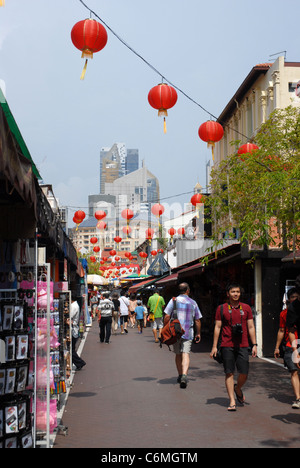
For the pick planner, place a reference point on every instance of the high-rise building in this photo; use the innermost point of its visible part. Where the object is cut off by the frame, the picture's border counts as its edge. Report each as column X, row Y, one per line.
column 139, row 188
column 116, row 162
column 132, row 161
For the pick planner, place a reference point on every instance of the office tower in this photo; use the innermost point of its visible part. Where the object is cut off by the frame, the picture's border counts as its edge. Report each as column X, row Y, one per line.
column 132, row 161
column 117, row 162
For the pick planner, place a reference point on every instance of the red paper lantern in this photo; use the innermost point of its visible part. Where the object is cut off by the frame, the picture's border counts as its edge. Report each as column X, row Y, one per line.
column 172, row 232
column 157, row 209
column 162, row 97
column 160, row 251
column 100, row 215
column 153, row 253
column 79, row 215
column 181, row 231
column 143, row 255
column 76, row 221
column 112, row 253
column 127, row 214
column 127, row 254
column 211, row 132
column 149, row 233
column 247, row 148
column 117, row 259
column 89, row 36
column 96, row 249
column 93, row 240
column 101, row 225
column 197, row 199
column 127, row 230
column 93, row 259
column 118, row 239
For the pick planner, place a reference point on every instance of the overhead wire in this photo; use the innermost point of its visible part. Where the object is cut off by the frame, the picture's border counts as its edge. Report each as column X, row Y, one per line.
column 146, row 201
column 153, row 68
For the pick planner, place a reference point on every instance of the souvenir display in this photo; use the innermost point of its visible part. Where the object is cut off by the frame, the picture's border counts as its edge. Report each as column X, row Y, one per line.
column 35, row 348
column 15, row 396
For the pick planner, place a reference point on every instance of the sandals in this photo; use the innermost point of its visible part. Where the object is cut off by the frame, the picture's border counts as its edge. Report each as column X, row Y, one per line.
column 231, row 408
column 240, row 398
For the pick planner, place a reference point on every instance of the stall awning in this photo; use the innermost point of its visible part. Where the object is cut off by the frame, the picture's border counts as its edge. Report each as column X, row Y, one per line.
column 171, row 279
column 17, row 134
column 143, row 284
column 292, row 257
column 198, row 268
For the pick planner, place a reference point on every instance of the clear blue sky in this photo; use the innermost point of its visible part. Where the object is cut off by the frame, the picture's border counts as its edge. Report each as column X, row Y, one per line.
column 206, row 48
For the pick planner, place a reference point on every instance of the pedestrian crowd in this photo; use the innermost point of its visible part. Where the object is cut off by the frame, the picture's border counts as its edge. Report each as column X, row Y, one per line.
column 234, row 338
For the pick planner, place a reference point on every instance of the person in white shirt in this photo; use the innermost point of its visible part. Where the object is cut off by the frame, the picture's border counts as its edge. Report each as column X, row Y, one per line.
column 124, row 305
column 106, row 307
column 74, row 315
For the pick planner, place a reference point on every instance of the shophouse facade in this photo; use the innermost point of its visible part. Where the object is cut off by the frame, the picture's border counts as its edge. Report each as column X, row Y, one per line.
column 267, row 87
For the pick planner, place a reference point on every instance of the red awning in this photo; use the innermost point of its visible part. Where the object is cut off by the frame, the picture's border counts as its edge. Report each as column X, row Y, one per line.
column 136, row 287
column 198, row 268
column 168, row 280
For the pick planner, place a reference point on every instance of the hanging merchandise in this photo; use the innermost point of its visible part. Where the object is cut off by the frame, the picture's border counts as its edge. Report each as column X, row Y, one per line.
column 15, row 357
column 158, row 267
column 2, row 3
column 163, row 97
column 89, row 36
column 211, row 132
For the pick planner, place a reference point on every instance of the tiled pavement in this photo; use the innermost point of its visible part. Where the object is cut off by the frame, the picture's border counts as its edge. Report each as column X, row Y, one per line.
column 127, row 397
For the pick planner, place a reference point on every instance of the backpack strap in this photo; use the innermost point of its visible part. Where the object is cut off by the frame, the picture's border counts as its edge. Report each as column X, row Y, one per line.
column 174, row 312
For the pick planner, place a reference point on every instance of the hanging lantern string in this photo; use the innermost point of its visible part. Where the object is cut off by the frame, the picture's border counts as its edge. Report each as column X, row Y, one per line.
column 157, row 71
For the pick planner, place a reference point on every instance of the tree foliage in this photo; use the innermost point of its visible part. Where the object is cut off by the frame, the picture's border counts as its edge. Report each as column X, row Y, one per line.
column 258, row 193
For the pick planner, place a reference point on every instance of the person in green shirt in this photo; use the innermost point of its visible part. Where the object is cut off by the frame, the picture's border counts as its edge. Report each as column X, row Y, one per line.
column 156, row 304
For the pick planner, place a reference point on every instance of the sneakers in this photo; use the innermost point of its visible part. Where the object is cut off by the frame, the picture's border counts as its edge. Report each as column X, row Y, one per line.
column 296, row 404
column 183, row 381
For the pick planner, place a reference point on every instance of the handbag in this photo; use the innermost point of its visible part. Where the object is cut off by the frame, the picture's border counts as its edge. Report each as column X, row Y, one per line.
column 172, row 331
column 218, row 357
column 152, row 314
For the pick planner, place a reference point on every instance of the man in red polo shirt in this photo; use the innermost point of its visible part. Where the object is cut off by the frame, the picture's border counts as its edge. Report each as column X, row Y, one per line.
column 236, row 322
column 283, row 338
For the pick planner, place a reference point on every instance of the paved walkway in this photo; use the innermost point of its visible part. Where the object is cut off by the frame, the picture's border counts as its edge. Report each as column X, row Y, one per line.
column 127, row 397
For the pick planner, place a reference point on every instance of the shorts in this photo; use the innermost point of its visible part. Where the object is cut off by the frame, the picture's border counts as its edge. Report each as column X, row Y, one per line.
column 123, row 319
column 288, row 360
column 157, row 323
column 182, row 346
column 235, row 358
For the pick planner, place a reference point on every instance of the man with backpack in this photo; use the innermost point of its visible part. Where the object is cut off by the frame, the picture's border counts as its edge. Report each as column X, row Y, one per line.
column 234, row 323
column 188, row 314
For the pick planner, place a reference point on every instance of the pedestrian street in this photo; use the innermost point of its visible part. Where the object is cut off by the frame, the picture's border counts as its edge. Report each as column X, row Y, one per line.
column 127, row 396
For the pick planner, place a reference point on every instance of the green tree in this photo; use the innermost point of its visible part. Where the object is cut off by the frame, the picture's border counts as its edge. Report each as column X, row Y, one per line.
column 259, row 193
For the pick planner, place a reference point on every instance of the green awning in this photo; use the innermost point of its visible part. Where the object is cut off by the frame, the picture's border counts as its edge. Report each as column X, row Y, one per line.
column 17, row 134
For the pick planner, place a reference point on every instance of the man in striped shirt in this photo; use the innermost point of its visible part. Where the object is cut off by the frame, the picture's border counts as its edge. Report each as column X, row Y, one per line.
column 188, row 314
